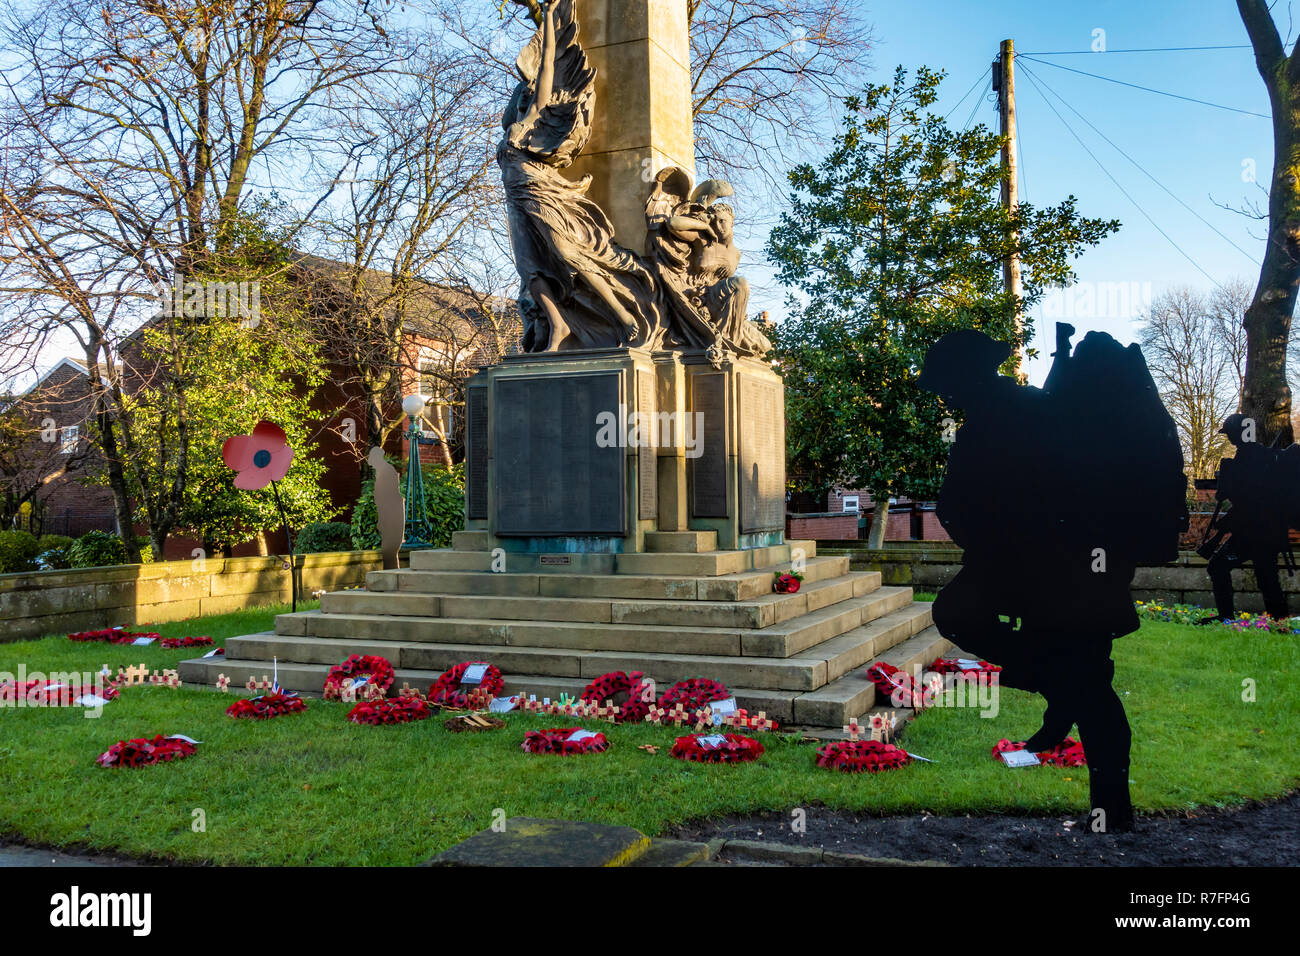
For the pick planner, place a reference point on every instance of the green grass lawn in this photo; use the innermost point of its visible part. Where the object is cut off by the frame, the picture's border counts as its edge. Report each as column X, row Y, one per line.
column 312, row 788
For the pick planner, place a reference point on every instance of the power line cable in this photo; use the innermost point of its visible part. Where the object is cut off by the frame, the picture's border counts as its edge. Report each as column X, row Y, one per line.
column 974, row 109
column 1145, row 49
column 1102, row 167
column 1147, row 89
column 957, row 105
column 1064, row 102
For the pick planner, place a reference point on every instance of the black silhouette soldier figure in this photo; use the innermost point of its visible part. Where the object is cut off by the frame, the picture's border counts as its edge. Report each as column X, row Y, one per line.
column 1260, row 483
column 1055, row 496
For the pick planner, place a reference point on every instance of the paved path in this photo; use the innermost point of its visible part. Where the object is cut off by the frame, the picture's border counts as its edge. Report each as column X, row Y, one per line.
column 13, row 855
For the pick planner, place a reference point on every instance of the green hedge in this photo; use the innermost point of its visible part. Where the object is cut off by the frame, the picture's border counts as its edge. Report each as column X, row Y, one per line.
column 444, row 499
column 320, row 537
column 97, row 549
column 18, row 551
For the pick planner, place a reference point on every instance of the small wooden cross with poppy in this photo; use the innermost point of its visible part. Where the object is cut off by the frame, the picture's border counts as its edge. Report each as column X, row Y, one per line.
column 223, row 683
column 655, row 714
column 853, row 728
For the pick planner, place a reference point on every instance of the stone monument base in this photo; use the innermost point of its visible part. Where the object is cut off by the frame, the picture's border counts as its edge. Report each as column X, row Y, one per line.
column 595, row 452
column 679, row 608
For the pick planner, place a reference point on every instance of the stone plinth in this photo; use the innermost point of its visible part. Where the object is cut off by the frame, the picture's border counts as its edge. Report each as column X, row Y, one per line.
column 587, row 453
column 642, row 121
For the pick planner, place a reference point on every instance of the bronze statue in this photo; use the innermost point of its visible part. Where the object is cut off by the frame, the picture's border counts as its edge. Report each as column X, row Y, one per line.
column 579, row 288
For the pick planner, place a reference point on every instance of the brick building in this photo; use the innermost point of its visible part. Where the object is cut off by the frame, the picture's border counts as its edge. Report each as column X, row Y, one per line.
column 846, row 514
column 442, row 340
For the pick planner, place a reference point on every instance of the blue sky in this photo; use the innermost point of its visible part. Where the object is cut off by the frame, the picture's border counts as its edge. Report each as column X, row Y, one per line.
column 1196, row 151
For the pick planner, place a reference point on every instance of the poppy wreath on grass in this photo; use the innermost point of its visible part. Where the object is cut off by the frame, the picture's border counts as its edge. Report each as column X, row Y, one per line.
column 946, row 665
column 858, row 756
column 47, row 693
column 1068, row 753
column 111, row 635
column 694, row 694
column 446, row 689
column 557, row 740
column 141, row 752
column 889, row 679
column 634, row 686
column 391, row 710
column 172, row 643
column 266, row 706
column 731, row 748
column 377, row 669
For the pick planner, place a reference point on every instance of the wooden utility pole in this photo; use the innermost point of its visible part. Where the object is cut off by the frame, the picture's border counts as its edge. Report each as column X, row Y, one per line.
column 1004, row 83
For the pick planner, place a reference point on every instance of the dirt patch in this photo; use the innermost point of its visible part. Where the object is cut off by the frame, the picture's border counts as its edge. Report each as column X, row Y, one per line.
column 1257, row 835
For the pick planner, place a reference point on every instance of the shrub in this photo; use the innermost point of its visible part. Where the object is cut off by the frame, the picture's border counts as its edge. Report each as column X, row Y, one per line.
column 18, row 550
column 53, row 555
column 444, row 499
column 97, row 549
column 321, row 536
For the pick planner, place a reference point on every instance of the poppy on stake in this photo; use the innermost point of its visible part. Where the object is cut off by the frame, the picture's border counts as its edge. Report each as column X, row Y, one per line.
column 260, row 459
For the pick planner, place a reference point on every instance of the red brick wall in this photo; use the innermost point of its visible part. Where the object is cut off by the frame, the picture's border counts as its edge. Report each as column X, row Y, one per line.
column 931, row 530
column 819, row 528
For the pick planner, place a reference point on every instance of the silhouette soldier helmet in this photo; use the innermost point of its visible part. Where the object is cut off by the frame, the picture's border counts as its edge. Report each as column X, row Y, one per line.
column 1233, row 426
column 962, row 364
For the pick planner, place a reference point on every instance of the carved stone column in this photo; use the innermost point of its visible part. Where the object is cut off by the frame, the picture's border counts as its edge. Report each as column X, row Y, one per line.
column 641, row 52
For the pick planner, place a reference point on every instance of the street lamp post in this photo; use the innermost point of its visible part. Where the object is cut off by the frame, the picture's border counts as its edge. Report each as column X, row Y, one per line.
column 418, row 531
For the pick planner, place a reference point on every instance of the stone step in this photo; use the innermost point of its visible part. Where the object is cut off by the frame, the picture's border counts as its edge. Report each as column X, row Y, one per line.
column 852, row 695
column 678, row 542
column 741, row 586
column 757, row 613
column 782, row 640
column 469, row 540
column 708, row 563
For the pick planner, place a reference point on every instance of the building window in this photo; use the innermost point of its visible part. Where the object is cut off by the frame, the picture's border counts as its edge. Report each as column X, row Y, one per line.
column 850, row 502
column 69, row 437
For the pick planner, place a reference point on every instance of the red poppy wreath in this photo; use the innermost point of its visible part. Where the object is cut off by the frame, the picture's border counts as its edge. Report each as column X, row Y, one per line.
column 446, row 689
column 111, row 635
column 173, row 643
column 393, row 710
column 890, row 680
column 858, row 756
column 631, row 692
column 47, row 693
column 375, row 669
column 716, row 748
column 946, row 665
column 266, row 706
column 141, row 752
column 694, row 694
column 1068, row 753
column 564, row 741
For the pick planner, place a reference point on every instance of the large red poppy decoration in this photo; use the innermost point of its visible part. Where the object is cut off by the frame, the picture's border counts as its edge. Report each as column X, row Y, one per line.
column 260, row 458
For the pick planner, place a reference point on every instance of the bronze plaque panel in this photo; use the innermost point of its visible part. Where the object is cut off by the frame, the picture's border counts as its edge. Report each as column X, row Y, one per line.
column 476, row 452
column 551, row 476
column 709, row 469
column 646, row 453
column 762, row 455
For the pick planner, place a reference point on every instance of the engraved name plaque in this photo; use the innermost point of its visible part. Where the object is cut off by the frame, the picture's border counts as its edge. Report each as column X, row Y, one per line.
column 762, row 455
column 709, row 470
column 646, row 453
column 550, row 477
column 476, row 452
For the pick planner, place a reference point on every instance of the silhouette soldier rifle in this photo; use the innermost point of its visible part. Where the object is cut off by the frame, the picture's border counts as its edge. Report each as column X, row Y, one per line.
column 1055, row 496
column 1259, row 483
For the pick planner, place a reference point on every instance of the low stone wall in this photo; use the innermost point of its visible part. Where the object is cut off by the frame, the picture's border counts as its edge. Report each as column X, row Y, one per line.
column 37, row 603
column 928, row 567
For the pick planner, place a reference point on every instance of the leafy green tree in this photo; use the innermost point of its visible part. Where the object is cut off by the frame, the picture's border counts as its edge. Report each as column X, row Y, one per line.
column 207, row 377
column 894, row 239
